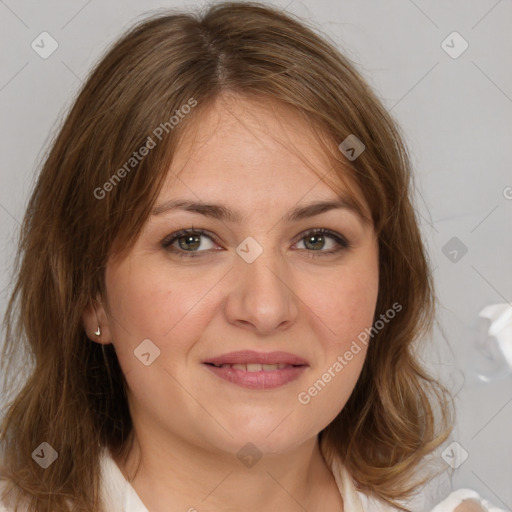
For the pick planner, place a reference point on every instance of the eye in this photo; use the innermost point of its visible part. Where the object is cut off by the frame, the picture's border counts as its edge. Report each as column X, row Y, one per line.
column 187, row 243
column 315, row 241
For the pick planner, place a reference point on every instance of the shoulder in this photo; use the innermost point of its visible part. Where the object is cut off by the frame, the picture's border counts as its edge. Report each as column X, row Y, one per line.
column 435, row 496
column 3, row 485
column 465, row 500
column 116, row 492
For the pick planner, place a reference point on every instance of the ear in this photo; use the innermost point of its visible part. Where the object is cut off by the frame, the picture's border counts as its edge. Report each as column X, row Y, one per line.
column 94, row 316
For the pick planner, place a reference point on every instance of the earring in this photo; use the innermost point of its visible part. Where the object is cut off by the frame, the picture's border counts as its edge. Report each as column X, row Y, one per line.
column 98, row 331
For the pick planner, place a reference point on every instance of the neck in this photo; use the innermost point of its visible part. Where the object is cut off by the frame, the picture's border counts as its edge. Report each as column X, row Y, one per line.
column 195, row 480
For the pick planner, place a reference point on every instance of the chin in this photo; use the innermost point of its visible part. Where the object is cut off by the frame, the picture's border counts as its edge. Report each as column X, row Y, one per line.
column 265, row 440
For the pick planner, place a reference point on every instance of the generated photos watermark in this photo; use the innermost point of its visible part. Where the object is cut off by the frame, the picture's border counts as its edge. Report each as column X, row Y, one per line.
column 304, row 397
column 144, row 150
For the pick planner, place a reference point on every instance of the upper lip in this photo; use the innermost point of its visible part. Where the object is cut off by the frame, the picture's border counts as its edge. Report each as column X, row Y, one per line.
column 250, row 356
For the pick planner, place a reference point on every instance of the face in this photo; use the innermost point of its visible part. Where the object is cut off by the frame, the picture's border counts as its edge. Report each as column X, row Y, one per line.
column 245, row 286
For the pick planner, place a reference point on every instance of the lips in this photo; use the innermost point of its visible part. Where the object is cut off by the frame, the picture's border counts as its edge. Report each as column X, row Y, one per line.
column 250, row 358
column 257, row 370
column 254, row 367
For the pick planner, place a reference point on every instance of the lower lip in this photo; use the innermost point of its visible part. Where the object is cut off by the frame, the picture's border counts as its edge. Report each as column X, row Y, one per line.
column 258, row 380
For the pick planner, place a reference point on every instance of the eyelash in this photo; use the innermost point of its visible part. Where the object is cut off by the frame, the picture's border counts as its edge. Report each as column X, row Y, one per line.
column 342, row 242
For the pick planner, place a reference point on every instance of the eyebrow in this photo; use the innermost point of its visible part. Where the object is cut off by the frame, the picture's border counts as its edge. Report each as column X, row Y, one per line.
column 223, row 213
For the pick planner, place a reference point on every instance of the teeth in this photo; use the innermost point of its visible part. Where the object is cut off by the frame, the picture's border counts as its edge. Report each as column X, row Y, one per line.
column 255, row 367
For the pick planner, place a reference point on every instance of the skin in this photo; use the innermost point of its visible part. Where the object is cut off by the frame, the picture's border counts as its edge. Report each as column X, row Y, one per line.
column 469, row 505
column 188, row 423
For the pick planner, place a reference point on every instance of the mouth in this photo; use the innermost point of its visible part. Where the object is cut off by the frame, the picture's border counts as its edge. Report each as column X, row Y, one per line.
column 257, row 370
column 251, row 357
column 256, row 367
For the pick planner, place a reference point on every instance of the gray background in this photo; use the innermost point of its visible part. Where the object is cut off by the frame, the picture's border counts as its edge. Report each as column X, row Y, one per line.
column 456, row 114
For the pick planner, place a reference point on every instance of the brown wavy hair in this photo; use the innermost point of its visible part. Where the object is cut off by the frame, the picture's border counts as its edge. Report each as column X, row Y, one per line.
column 74, row 395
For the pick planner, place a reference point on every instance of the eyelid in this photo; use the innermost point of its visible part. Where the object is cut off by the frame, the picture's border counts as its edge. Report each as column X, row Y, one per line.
column 341, row 239
column 187, row 231
column 342, row 242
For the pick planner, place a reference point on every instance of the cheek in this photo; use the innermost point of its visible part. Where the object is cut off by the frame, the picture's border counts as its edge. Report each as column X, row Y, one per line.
column 344, row 306
column 342, row 326
column 145, row 303
column 328, row 391
column 343, row 309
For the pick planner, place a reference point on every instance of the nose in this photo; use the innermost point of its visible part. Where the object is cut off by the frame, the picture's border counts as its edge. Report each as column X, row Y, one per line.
column 262, row 296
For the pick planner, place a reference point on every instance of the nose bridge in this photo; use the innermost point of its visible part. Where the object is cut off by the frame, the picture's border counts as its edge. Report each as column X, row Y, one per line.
column 263, row 286
column 265, row 271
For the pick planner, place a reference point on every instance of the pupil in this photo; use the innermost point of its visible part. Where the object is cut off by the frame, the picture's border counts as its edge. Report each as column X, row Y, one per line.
column 318, row 238
column 315, row 241
column 194, row 239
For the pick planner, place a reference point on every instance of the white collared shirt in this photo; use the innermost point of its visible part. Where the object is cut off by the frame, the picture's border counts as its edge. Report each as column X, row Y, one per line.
column 120, row 496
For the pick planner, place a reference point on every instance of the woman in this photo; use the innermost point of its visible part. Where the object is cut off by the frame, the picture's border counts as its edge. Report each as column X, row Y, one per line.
column 221, row 279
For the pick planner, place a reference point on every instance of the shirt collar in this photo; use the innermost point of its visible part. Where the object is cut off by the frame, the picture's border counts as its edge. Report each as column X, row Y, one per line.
column 119, row 495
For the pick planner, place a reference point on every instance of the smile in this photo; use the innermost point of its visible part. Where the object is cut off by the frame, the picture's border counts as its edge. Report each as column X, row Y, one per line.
column 255, row 367
column 257, row 370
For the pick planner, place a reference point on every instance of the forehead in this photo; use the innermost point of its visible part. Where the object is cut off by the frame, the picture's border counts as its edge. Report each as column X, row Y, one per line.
column 246, row 133
column 256, row 147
